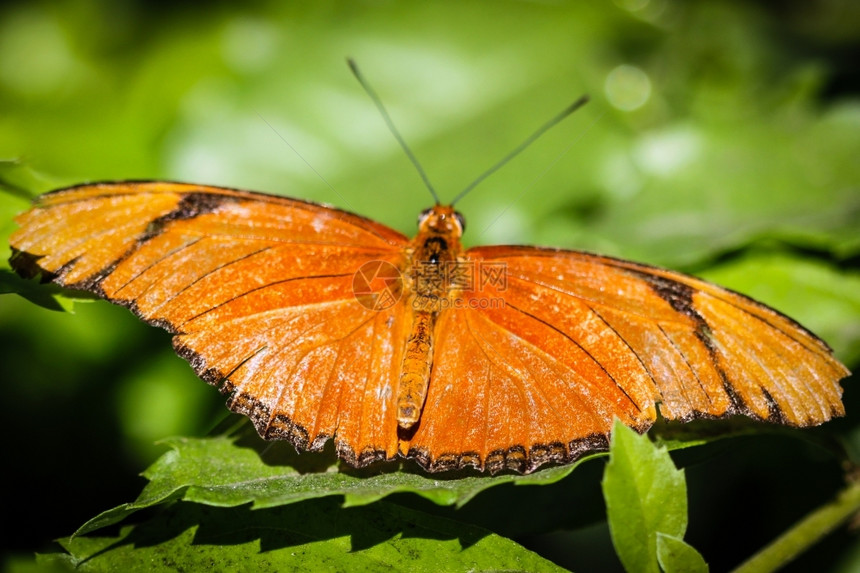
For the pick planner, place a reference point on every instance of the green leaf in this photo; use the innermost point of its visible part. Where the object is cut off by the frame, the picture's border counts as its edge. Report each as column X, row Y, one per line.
column 645, row 495
column 231, row 470
column 674, row 554
column 317, row 535
column 19, row 179
column 239, row 468
column 49, row 296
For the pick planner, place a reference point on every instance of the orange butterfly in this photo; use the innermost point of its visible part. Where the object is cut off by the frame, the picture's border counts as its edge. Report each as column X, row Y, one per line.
column 322, row 324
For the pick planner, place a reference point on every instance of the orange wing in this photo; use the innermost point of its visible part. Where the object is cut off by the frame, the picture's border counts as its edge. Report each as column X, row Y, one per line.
column 536, row 361
column 256, row 288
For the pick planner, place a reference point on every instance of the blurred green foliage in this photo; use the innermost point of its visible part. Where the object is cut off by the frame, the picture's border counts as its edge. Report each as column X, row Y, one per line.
column 722, row 138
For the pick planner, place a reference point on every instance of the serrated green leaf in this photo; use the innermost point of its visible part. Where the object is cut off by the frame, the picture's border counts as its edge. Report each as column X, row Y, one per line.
column 240, row 468
column 219, row 471
column 317, row 535
column 675, row 554
column 645, row 495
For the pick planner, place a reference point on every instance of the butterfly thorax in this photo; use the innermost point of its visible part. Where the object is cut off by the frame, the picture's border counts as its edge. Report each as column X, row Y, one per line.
column 434, row 255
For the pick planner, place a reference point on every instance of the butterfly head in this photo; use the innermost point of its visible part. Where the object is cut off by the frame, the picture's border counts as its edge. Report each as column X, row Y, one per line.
column 441, row 220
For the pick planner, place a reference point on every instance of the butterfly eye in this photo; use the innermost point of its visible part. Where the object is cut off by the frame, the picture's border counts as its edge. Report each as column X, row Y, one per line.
column 460, row 219
column 424, row 214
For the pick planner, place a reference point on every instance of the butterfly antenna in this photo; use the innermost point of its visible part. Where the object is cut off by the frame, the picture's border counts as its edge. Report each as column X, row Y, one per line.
column 358, row 75
column 522, row 146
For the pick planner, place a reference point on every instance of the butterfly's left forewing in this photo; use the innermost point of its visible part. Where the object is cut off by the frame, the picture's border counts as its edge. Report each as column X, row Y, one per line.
column 257, row 290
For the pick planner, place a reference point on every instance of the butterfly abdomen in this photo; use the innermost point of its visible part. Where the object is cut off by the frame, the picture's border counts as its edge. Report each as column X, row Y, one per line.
column 415, row 372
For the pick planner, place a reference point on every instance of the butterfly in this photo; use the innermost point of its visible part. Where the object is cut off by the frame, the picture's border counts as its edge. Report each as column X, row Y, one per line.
column 320, row 324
